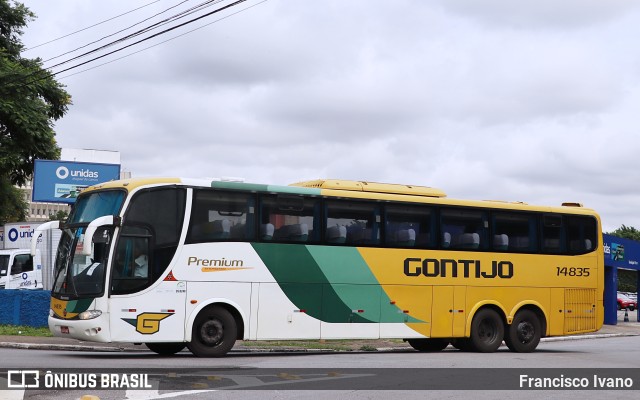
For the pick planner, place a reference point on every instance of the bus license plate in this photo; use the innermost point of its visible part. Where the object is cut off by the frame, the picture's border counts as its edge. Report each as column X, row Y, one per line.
column 64, row 329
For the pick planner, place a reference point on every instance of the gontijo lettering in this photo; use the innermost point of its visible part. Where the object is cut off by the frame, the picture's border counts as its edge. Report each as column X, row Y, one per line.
column 431, row 267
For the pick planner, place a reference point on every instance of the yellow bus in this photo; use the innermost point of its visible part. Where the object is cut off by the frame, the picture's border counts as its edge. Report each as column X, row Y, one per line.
column 177, row 263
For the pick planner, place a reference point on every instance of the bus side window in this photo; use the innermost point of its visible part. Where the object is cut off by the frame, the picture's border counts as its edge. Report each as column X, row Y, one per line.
column 289, row 219
column 514, row 232
column 409, row 226
column 221, row 216
column 581, row 234
column 360, row 220
column 553, row 235
column 467, row 229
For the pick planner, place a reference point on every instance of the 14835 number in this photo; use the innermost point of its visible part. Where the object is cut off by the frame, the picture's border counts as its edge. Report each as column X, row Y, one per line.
column 572, row 271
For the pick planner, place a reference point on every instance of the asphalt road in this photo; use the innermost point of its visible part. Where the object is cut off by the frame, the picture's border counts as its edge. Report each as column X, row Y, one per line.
column 390, row 373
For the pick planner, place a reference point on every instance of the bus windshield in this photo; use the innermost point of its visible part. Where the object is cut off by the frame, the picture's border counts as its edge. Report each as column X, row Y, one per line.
column 96, row 204
column 77, row 275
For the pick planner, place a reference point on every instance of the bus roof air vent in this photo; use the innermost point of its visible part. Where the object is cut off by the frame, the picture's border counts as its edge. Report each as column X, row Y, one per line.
column 372, row 187
column 506, row 202
column 572, row 205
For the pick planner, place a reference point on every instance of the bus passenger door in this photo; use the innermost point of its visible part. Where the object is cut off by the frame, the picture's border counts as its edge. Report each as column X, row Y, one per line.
column 442, row 314
column 289, row 311
column 557, row 312
column 449, row 310
column 144, row 305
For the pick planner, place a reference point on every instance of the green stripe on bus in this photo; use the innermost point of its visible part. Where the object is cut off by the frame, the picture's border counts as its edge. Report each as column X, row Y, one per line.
column 333, row 284
column 304, row 283
column 256, row 187
column 78, row 306
column 353, row 281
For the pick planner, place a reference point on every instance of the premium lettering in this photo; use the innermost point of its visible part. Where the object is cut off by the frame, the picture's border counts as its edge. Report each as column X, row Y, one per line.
column 222, row 262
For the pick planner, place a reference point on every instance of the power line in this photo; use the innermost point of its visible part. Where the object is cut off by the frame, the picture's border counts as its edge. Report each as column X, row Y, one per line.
column 151, row 37
column 89, row 27
column 149, row 28
column 115, row 33
column 164, row 41
column 51, row 74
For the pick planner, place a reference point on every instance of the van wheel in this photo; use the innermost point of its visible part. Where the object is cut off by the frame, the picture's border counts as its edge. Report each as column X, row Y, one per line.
column 487, row 331
column 428, row 345
column 214, row 332
column 166, row 349
column 524, row 333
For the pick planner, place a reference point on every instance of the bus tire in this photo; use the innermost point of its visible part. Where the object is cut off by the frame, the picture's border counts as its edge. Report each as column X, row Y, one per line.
column 524, row 333
column 487, row 331
column 428, row 345
column 166, row 349
column 214, row 333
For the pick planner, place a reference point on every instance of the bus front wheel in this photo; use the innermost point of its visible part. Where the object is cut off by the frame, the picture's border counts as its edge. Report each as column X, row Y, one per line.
column 166, row 349
column 523, row 335
column 428, row 345
column 487, row 331
column 214, row 332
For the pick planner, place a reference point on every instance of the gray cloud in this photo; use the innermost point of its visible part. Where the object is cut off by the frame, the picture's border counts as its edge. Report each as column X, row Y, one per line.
column 535, row 101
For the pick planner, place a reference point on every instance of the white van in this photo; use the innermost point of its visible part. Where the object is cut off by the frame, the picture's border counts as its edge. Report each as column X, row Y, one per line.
column 19, row 270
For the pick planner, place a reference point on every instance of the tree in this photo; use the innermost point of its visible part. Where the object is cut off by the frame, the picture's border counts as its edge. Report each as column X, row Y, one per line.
column 59, row 216
column 626, row 232
column 13, row 207
column 627, row 280
column 30, row 101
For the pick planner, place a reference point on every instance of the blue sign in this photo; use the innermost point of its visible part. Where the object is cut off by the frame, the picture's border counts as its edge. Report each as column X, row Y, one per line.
column 621, row 253
column 61, row 181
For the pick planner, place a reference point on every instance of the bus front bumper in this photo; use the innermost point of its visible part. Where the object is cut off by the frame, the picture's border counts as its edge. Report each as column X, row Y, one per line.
column 91, row 330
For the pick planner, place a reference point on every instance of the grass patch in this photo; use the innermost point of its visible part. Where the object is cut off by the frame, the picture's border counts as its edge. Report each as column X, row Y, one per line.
column 22, row 330
column 306, row 344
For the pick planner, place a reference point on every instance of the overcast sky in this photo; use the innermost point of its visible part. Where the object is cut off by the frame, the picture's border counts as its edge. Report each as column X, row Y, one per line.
column 535, row 101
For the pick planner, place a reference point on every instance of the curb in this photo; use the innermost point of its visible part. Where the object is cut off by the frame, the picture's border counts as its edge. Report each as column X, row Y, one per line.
column 114, row 349
column 66, row 347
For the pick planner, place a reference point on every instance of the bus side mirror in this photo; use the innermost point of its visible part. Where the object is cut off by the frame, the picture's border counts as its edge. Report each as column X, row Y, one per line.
column 87, row 241
column 38, row 231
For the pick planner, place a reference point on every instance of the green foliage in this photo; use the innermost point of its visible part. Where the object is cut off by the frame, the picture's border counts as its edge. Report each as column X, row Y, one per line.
column 626, row 232
column 59, row 216
column 20, row 330
column 627, row 280
column 30, row 101
column 13, row 207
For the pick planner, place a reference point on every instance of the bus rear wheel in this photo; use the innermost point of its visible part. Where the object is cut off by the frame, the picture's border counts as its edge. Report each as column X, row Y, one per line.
column 428, row 345
column 487, row 331
column 523, row 335
column 214, row 332
column 166, row 349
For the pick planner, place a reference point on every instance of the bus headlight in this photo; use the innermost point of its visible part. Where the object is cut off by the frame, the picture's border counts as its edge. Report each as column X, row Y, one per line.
column 90, row 314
